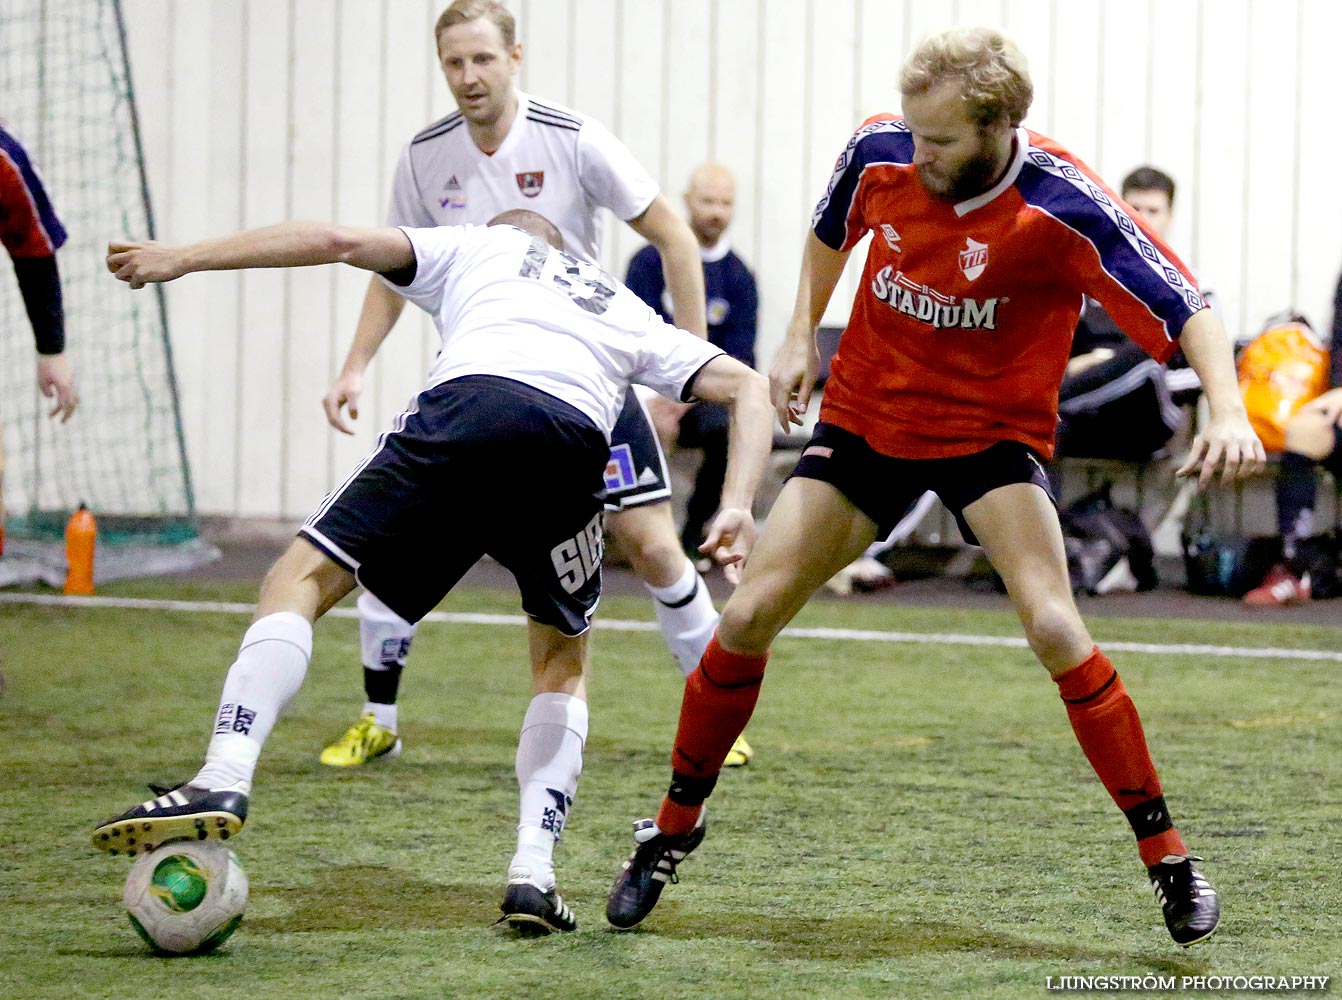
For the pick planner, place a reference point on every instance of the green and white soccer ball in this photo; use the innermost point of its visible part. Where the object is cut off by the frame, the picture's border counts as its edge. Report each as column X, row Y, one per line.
column 186, row 897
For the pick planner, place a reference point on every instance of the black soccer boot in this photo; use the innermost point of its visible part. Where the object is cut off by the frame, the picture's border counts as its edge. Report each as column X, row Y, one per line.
column 184, row 813
column 1191, row 907
column 534, row 912
column 650, row 867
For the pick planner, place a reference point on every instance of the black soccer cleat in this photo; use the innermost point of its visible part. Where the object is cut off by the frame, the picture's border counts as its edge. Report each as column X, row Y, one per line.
column 184, row 813
column 533, row 912
column 1191, row 907
column 650, row 867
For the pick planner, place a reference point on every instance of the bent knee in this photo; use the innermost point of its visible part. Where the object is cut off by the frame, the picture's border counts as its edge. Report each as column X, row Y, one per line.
column 748, row 624
column 1310, row 434
column 1056, row 633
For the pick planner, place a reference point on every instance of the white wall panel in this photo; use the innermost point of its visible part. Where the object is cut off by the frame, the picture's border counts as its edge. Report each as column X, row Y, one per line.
column 308, row 347
column 1171, row 118
column 641, row 106
column 1317, row 253
column 1218, row 189
column 263, row 384
column 783, row 153
column 214, row 389
column 1270, row 167
column 1031, row 24
column 257, row 109
column 1124, row 92
column 735, row 116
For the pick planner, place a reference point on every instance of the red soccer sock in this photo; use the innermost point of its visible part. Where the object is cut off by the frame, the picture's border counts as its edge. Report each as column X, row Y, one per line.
column 1110, row 733
column 720, row 695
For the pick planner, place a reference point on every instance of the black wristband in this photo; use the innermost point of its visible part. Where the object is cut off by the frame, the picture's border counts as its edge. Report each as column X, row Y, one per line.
column 40, row 285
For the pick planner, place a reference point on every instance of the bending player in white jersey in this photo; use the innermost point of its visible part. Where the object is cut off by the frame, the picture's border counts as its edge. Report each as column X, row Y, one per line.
column 538, row 350
column 502, row 150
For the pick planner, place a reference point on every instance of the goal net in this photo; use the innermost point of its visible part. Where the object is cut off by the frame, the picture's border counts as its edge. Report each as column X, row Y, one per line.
column 67, row 95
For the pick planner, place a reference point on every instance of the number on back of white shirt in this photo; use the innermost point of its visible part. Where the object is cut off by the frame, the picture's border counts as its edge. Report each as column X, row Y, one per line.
column 590, row 288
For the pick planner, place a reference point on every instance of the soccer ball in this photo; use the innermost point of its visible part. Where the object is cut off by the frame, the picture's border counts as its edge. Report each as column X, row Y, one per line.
column 186, row 897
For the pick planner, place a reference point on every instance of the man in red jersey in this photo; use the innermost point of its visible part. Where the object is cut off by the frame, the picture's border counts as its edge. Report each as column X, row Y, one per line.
column 985, row 238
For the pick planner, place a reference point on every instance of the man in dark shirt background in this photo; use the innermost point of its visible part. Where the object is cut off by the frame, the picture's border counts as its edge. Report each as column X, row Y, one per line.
column 732, row 305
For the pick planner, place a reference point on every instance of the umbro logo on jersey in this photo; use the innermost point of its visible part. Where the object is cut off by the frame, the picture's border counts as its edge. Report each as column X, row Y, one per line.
column 892, row 238
column 531, row 182
column 973, row 258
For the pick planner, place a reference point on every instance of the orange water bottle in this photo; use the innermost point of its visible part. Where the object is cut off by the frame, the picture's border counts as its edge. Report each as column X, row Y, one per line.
column 81, row 535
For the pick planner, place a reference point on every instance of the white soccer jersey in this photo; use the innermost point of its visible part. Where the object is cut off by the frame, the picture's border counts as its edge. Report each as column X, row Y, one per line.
column 507, row 303
column 553, row 161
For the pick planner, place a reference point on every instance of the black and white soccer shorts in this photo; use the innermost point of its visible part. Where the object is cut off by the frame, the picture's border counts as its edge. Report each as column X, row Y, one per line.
column 884, row 488
column 636, row 473
column 477, row 465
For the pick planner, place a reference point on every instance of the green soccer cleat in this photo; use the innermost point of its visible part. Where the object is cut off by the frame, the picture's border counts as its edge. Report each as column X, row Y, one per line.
column 362, row 742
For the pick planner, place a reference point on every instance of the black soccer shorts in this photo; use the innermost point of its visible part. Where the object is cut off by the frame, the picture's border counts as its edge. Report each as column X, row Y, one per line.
column 636, row 473
column 478, row 465
column 884, row 488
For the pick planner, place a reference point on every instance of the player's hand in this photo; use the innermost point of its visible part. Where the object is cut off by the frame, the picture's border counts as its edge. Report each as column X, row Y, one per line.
column 666, row 415
column 344, row 393
column 730, row 539
column 792, row 378
column 139, row 264
column 1228, row 444
column 56, row 380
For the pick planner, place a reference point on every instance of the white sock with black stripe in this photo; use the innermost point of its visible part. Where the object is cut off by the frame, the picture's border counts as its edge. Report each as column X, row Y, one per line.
column 269, row 670
column 549, row 761
column 686, row 616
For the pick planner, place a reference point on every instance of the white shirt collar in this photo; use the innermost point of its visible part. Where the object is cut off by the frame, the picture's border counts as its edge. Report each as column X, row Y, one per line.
column 715, row 253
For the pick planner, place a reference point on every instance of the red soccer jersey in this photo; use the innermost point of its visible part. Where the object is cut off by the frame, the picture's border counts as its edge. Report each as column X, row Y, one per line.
column 963, row 322
column 28, row 224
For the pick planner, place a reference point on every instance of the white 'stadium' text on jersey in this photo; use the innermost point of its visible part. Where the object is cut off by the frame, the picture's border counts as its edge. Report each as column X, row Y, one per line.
column 554, row 161
column 507, row 303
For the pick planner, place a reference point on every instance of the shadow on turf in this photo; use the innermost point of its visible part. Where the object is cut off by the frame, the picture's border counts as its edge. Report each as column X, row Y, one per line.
column 864, row 938
column 369, row 897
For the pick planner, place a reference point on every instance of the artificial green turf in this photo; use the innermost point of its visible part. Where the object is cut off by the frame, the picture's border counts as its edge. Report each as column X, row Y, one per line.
column 918, row 821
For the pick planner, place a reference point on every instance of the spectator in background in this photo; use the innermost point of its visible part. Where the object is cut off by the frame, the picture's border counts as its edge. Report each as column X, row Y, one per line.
column 32, row 234
column 732, row 308
column 1312, row 437
column 1115, row 400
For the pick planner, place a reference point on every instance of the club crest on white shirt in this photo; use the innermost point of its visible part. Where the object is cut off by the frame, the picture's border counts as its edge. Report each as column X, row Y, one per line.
column 530, row 182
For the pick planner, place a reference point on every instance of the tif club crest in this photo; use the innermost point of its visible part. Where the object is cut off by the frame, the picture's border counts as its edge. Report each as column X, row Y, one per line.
column 531, row 182
column 973, row 258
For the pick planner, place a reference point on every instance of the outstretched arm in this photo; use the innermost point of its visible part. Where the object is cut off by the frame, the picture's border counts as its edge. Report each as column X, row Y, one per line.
column 746, row 392
column 1228, row 441
column 793, row 374
column 289, row 244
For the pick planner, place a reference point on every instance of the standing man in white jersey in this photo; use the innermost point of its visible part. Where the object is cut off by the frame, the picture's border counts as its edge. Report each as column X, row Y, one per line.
column 503, row 150
column 538, row 352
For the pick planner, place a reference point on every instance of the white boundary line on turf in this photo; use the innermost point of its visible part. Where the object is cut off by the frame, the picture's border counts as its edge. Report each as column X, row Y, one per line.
column 627, row 625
